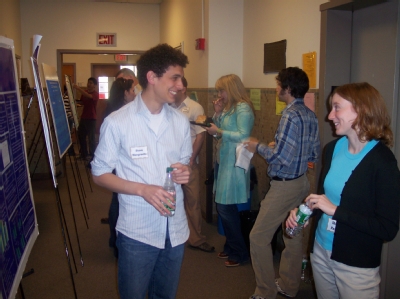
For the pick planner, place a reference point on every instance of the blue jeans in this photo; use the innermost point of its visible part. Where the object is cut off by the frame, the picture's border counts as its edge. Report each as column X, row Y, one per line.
column 234, row 247
column 143, row 268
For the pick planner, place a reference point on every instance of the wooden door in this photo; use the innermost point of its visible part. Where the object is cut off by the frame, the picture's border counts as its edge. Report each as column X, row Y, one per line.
column 104, row 70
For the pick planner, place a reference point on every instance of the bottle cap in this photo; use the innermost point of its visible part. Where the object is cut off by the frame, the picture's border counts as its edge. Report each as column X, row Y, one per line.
column 169, row 169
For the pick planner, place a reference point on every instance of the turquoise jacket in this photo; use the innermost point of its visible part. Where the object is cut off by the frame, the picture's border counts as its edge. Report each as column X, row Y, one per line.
column 233, row 184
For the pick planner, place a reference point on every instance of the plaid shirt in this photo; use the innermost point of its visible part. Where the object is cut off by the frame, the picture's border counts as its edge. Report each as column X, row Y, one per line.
column 296, row 142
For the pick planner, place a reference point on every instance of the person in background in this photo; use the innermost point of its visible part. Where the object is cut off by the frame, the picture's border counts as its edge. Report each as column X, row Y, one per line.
column 295, row 144
column 191, row 190
column 87, row 124
column 127, row 74
column 139, row 141
column 121, row 93
column 233, row 122
column 357, row 209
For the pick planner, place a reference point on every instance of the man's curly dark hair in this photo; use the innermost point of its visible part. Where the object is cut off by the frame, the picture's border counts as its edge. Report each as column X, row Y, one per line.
column 158, row 59
column 294, row 78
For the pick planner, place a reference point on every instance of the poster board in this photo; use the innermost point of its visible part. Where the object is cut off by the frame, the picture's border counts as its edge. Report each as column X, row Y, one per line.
column 71, row 99
column 57, row 108
column 42, row 107
column 18, row 224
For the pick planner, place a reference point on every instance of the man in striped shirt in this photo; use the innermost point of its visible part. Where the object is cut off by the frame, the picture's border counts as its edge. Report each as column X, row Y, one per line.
column 296, row 143
column 139, row 141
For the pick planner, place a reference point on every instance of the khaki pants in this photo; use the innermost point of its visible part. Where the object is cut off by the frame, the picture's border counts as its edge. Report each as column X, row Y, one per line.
column 334, row 280
column 282, row 197
column 191, row 192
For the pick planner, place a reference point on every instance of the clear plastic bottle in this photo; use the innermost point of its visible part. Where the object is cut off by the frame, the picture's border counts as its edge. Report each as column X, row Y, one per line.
column 169, row 186
column 303, row 267
column 303, row 213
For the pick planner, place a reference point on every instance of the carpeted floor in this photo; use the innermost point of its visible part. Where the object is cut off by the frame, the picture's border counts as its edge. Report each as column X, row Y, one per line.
column 203, row 275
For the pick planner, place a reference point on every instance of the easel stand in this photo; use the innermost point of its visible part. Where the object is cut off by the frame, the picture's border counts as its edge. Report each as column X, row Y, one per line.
column 61, row 216
column 86, row 168
column 78, row 183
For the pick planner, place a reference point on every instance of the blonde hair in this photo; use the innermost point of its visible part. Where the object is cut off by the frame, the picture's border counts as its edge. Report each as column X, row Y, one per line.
column 235, row 90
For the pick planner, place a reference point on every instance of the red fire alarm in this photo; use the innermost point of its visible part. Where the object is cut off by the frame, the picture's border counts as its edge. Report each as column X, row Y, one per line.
column 200, row 44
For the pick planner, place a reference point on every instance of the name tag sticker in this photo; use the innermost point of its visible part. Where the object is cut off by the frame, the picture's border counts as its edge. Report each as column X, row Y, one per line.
column 331, row 225
column 139, row 152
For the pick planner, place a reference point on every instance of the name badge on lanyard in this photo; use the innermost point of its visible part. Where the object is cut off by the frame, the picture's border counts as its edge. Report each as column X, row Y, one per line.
column 139, row 152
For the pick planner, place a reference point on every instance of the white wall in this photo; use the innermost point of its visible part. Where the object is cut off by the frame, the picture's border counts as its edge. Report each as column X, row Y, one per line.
column 225, row 39
column 267, row 21
column 181, row 21
column 73, row 25
column 10, row 25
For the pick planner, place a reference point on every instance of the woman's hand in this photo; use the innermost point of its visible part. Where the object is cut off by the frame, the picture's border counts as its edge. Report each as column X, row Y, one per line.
column 212, row 130
column 315, row 201
column 218, row 106
column 291, row 220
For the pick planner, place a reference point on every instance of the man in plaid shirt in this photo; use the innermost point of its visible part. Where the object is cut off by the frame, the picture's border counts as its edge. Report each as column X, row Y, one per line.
column 296, row 143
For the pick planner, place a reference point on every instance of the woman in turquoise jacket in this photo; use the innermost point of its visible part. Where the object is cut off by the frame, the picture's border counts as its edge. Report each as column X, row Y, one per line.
column 233, row 122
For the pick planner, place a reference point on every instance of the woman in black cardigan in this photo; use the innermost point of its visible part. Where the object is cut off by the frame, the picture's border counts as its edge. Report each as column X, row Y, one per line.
column 357, row 209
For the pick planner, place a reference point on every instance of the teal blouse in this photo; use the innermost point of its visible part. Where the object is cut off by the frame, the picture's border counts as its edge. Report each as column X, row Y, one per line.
column 233, row 184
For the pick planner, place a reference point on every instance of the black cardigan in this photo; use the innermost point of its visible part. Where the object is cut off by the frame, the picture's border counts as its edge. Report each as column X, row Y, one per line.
column 368, row 214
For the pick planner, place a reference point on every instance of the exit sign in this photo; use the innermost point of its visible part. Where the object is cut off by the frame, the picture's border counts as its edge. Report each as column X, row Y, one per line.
column 106, row 39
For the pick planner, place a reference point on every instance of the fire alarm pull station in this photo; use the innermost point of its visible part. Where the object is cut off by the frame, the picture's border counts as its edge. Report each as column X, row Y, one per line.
column 200, row 43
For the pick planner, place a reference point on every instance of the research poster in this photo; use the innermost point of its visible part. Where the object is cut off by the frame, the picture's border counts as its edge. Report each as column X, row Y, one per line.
column 71, row 99
column 44, row 116
column 18, row 225
column 60, row 121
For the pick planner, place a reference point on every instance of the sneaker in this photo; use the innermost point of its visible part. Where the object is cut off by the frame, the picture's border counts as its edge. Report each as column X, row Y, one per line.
column 204, row 247
column 282, row 291
column 230, row 263
column 256, row 297
column 222, row 255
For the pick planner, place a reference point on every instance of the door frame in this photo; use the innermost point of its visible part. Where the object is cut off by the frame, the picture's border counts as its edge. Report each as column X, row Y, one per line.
column 61, row 52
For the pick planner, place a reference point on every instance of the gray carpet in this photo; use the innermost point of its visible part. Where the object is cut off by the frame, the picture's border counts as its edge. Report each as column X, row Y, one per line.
column 203, row 275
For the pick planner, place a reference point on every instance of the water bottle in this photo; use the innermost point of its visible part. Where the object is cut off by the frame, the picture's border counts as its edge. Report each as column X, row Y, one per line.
column 169, row 186
column 303, row 267
column 303, row 213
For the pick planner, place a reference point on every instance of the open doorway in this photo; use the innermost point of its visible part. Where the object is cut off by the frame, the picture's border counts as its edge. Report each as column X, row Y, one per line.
column 94, row 63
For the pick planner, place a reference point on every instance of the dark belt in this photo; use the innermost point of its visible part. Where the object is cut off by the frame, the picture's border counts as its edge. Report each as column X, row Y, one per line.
column 276, row 178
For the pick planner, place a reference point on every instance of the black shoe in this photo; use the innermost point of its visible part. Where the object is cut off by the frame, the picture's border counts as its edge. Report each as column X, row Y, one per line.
column 204, row 247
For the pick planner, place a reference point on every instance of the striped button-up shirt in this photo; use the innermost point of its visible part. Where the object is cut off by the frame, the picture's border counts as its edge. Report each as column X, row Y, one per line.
column 296, row 142
column 129, row 145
